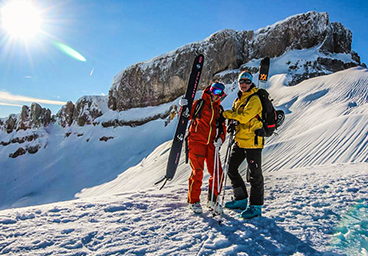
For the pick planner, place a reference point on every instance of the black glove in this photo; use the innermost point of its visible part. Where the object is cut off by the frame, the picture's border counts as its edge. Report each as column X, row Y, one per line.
column 231, row 126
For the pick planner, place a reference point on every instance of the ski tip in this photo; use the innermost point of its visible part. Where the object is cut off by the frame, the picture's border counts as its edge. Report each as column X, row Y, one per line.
column 198, row 52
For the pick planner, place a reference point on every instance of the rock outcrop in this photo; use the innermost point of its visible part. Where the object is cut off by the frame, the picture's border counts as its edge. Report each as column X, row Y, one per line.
column 87, row 110
column 84, row 112
column 66, row 114
column 164, row 78
column 30, row 117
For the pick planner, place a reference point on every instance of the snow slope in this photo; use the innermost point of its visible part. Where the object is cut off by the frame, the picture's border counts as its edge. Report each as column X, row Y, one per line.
column 316, row 174
column 77, row 158
column 309, row 211
column 326, row 123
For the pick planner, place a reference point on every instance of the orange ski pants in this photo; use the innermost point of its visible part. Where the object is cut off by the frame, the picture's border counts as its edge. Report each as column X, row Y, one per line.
column 198, row 154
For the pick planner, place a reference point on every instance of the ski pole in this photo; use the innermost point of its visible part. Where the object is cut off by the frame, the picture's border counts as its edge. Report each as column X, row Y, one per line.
column 214, row 174
column 218, row 173
column 226, row 164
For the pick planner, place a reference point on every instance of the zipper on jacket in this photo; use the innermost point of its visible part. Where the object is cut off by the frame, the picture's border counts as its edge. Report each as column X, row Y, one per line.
column 209, row 135
column 196, row 127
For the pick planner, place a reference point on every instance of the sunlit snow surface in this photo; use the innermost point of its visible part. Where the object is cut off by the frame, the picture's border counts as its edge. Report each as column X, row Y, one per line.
column 316, row 177
column 308, row 211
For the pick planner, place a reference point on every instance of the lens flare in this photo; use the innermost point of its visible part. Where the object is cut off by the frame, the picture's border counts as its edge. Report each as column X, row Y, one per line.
column 69, row 51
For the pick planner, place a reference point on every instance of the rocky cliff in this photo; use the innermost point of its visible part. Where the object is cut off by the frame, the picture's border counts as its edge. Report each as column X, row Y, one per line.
column 30, row 117
column 164, row 78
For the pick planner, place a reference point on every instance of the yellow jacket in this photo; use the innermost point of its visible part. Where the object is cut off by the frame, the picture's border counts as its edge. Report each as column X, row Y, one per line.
column 245, row 135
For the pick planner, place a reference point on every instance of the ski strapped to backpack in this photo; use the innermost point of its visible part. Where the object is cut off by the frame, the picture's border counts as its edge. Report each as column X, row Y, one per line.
column 184, row 113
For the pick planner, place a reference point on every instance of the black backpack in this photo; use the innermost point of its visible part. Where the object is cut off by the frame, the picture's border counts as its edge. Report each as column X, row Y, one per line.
column 271, row 118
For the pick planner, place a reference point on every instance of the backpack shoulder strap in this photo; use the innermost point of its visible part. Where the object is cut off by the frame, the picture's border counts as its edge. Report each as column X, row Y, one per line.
column 221, row 109
column 248, row 99
column 219, row 121
column 198, row 109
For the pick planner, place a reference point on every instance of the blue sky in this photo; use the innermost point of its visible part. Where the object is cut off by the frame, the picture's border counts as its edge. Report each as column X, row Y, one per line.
column 113, row 34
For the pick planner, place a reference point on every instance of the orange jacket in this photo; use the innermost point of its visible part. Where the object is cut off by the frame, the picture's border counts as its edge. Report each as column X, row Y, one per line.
column 203, row 128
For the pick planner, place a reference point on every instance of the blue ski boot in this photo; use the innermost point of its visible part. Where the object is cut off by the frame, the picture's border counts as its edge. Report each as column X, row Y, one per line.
column 237, row 204
column 251, row 212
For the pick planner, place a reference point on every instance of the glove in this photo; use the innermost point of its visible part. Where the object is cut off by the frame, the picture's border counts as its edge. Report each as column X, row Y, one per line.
column 227, row 114
column 231, row 128
column 183, row 102
column 218, row 143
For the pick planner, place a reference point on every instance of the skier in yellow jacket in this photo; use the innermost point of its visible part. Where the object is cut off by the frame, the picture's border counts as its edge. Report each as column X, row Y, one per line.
column 247, row 146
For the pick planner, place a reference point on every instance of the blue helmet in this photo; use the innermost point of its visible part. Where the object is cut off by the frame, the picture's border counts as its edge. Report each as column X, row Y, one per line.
column 218, row 89
column 245, row 75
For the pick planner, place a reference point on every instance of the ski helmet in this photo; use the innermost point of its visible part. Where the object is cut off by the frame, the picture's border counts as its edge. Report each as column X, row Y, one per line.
column 218, row 89
column 245, row 75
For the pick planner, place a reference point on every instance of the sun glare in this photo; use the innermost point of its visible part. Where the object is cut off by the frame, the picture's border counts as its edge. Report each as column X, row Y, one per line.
column 21, row 19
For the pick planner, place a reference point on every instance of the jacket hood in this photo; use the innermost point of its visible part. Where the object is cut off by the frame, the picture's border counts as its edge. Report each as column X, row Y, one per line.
column 206, row 95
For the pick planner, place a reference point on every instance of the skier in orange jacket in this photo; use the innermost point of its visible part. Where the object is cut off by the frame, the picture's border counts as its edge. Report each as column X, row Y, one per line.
column 206, row 133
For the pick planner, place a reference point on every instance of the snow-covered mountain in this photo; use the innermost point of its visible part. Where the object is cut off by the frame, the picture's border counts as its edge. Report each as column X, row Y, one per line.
column 326, row 123
column 316, row 196
column 106, row 162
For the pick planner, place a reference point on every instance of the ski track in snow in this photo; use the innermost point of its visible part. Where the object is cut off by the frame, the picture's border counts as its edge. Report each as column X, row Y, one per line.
column 306, row 212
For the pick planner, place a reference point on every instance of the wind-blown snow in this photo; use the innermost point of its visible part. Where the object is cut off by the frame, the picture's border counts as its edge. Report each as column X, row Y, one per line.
column 326, row 123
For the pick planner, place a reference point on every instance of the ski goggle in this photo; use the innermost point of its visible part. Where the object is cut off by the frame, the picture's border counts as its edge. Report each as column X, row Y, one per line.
column 245, row 81
column 217, row 91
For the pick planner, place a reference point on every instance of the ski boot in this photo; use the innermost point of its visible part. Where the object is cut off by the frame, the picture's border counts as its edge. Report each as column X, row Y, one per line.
column 196, row 207
column 237, row 204
column 251, row 212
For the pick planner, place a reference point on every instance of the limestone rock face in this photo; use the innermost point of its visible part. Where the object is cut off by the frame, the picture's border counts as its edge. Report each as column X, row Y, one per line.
column 84, row 112
column 40, row 116
column 297, row 32
column 65, row 114
column 30, row 117
column 87, row 110
column 164, row 78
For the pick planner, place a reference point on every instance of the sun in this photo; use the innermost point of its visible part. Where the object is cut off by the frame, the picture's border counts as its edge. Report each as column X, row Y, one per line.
column 21, row 19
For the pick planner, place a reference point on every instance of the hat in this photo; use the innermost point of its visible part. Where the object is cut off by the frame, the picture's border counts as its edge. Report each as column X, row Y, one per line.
column 217, row 89
column 245, row 75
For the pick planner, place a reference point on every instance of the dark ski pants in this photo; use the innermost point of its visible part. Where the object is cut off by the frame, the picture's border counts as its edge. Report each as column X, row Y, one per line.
column 254, row 158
